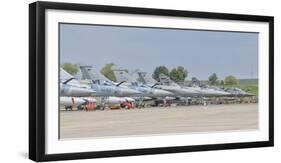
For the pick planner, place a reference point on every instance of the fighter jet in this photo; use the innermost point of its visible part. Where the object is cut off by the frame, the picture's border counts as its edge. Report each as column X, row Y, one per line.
column 167, row 84
column 69, row 86
column 202, row 91
column 131, row 82
column 211, row 91
column 238, row 92
column 105, row 87
column 71, row 91
column 171, row 87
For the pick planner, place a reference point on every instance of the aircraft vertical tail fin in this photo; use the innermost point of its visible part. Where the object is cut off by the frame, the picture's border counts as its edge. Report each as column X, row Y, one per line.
column 145, row 78
column 165, row 80
column 67, row 78
column 89, row 73
column 85, row 70
column 64, row 75
column 122, row 75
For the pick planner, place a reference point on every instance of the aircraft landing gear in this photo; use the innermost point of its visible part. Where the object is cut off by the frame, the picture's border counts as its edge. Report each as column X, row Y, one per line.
column 68, row 108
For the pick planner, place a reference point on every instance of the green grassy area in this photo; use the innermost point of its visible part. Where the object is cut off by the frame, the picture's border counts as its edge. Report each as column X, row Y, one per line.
column 248, row 81
column 250, row 88
column 248, row 85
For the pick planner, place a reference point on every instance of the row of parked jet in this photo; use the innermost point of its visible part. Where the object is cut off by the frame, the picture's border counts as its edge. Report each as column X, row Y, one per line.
column 129, row 87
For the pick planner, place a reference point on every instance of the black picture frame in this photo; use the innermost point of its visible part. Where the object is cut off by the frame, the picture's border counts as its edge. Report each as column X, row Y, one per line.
column 37, row 78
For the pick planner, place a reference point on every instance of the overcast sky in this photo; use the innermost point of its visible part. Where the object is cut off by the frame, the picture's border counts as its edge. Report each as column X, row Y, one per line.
column 200, row 52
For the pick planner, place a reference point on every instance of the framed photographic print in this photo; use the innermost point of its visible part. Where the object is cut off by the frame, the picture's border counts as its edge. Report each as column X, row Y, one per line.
column 110, row 81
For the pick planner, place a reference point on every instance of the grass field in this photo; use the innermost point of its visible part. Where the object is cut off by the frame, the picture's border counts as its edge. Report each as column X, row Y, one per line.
column 248, row 85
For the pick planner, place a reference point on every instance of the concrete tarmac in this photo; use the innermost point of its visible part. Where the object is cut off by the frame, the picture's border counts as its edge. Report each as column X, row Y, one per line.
column 158, row 120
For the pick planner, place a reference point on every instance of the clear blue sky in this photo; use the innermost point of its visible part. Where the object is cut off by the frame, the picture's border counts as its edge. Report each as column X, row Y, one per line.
column 200, row 52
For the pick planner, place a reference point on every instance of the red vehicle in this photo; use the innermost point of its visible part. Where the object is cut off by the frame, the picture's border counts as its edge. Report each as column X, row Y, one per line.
column 127, row 105
column 90, row 106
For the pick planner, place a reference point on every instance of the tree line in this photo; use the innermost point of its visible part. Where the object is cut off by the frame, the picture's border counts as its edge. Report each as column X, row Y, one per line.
column 177, row 74
column 228, row 80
